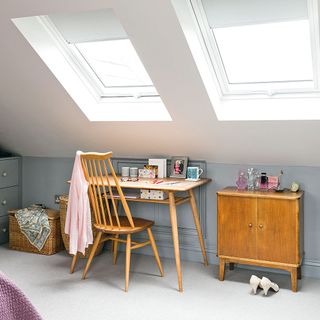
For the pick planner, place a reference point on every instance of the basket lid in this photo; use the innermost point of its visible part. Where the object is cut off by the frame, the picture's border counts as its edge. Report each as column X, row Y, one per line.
column 64, row 198
column 52, row 214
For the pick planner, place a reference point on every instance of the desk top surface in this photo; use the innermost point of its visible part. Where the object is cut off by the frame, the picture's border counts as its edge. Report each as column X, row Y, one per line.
column 164, row 184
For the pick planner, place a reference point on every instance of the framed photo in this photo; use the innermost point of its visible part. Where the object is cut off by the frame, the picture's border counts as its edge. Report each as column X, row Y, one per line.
column 179, row 166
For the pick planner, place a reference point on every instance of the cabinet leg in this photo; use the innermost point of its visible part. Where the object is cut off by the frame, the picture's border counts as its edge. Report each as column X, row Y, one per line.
column 221, row 269
column 231, row 266
column 294, row 279
column 299, row 273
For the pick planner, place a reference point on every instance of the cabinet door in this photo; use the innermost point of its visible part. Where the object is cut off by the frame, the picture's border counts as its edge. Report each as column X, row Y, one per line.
column 237, row 218
column 9, row 173
column 4, row 229
column 278, row 230
column 9, row 199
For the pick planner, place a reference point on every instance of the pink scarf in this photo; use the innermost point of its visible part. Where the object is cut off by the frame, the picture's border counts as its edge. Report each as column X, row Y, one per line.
column 78, row 219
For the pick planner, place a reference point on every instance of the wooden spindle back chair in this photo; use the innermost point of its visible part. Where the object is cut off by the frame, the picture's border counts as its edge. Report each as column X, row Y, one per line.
column 96, row 168
column 99, row 173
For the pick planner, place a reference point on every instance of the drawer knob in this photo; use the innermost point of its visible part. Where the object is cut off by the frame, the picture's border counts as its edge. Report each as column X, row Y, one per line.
column 4, row 174
column 4, row 230
column 250, row 225
column 260, row 226
column 4, row 202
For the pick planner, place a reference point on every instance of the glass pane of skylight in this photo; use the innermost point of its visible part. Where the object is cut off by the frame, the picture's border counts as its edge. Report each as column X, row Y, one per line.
column 272, row 52
column 115, row 62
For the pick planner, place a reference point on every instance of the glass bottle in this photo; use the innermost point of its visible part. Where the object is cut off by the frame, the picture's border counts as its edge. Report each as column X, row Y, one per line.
column 264, row 181
column 252, row 174
column 241, row 181
column 257, row 181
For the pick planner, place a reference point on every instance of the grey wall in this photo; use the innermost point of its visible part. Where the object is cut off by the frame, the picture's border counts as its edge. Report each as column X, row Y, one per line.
column 45, row 177
column 42, row 178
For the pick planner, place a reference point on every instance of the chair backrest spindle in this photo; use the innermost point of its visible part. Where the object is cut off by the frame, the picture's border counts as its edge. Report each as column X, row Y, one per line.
column 96, row 167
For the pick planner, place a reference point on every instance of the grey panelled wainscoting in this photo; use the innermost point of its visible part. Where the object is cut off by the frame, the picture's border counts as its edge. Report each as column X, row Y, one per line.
column 45, row 177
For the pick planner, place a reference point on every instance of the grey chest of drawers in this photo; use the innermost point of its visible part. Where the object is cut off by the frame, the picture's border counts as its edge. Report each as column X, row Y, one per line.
column 10, row 192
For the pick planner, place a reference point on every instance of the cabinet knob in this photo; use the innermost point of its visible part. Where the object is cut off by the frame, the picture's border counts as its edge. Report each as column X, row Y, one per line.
column 250, row 225
column 4, row 202
column 4, row 230
column 4, row 174
column 260, row 226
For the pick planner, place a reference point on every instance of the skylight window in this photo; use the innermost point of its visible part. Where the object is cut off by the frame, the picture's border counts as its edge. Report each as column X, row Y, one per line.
column 102, row 54
column 115, row 62
column 116, row 65
column 91, row 55
column 267, row 56
column 259, row 60
column 255, row 50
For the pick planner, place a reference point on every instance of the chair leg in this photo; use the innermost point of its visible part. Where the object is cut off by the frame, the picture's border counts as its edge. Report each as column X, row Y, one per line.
column 128, row 255
column 155, row 251
column 93, row 250
column 74, row 262
column 115, row 250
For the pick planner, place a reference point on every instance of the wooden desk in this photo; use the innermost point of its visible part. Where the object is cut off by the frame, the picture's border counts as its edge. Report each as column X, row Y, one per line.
column 172, row 186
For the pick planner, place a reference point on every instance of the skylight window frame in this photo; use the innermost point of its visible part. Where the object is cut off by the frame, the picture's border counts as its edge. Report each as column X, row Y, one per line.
column 51, row 51
column 215, row 63
column 90, row 78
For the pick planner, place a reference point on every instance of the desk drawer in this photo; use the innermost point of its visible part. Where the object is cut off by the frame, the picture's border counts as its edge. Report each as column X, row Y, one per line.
column 9, row 171
column 9, row 199
column 4, row 229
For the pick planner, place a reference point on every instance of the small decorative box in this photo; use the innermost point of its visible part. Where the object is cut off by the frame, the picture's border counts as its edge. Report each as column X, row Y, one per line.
column 273, row 182
column 153, row 194
column 147, row 173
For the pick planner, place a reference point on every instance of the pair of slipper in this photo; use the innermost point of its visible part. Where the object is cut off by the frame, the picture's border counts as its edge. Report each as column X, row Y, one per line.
column 265, row 284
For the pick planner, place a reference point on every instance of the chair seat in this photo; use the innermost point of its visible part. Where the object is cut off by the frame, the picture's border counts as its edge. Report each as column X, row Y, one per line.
column 139, row 225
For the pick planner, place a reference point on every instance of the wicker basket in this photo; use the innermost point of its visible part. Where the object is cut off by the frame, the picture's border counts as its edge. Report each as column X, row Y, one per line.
column 65, row 237
column 18, row 241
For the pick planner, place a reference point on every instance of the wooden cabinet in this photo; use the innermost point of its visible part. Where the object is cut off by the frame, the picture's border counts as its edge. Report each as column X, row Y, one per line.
column 261, row 228
column 9, row 192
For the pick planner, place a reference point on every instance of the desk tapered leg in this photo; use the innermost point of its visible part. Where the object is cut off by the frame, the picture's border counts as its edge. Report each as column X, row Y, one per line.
column 175, row 237
column 197, row 223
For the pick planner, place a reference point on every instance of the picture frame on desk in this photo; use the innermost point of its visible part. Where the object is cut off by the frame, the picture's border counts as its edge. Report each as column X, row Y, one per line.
column 178, row 167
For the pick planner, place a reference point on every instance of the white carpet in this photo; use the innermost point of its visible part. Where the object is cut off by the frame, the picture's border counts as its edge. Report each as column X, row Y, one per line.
column 61, row 296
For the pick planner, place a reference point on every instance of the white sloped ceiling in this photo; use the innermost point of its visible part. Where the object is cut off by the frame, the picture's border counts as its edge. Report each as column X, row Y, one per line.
column 38, row 117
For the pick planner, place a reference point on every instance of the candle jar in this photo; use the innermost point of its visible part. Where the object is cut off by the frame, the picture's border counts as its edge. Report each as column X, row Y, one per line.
column 252, row 176
column 257, row 181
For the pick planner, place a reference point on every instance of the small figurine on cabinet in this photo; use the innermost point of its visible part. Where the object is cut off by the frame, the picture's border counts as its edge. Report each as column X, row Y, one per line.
column 294, row 186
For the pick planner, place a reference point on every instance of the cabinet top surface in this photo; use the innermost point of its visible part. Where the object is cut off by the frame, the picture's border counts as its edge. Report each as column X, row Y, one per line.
column 234, row 192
